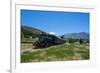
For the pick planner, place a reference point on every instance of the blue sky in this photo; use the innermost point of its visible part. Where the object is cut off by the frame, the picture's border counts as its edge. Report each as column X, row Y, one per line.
column 56, row 22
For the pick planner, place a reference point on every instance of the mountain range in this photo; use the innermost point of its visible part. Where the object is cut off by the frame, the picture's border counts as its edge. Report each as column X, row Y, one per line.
column 27, row 31
column 80, row 35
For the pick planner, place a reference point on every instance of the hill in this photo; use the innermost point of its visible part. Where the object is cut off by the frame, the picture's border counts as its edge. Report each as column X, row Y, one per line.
column 43, row 39
column 27, row 31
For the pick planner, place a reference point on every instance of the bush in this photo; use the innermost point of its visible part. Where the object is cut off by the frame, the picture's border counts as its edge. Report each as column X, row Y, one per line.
column 70, row 40
column 81, row 41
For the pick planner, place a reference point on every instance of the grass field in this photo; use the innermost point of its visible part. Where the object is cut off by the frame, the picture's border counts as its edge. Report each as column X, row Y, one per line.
column 63, row 52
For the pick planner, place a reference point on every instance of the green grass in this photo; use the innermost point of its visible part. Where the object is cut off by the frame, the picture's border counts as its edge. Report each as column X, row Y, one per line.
column 63, row 52
column 28, row 40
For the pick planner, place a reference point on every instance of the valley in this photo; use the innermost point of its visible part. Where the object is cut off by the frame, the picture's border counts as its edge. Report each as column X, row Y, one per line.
column 40, row 46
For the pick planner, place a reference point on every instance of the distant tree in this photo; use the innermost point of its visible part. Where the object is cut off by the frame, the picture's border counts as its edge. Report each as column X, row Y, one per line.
column 87, row 41
column 81, row 41
column 62, row 37
column 71, row 40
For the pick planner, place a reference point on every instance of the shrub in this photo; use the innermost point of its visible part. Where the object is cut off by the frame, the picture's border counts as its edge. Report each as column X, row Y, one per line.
column 70, row 40
column 81, row 41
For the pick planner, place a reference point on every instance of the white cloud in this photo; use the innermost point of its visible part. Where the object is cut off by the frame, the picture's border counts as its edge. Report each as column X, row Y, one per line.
column 53, row 33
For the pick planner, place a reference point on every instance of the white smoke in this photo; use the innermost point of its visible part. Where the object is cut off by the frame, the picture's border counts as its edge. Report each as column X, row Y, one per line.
column 53, row 33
